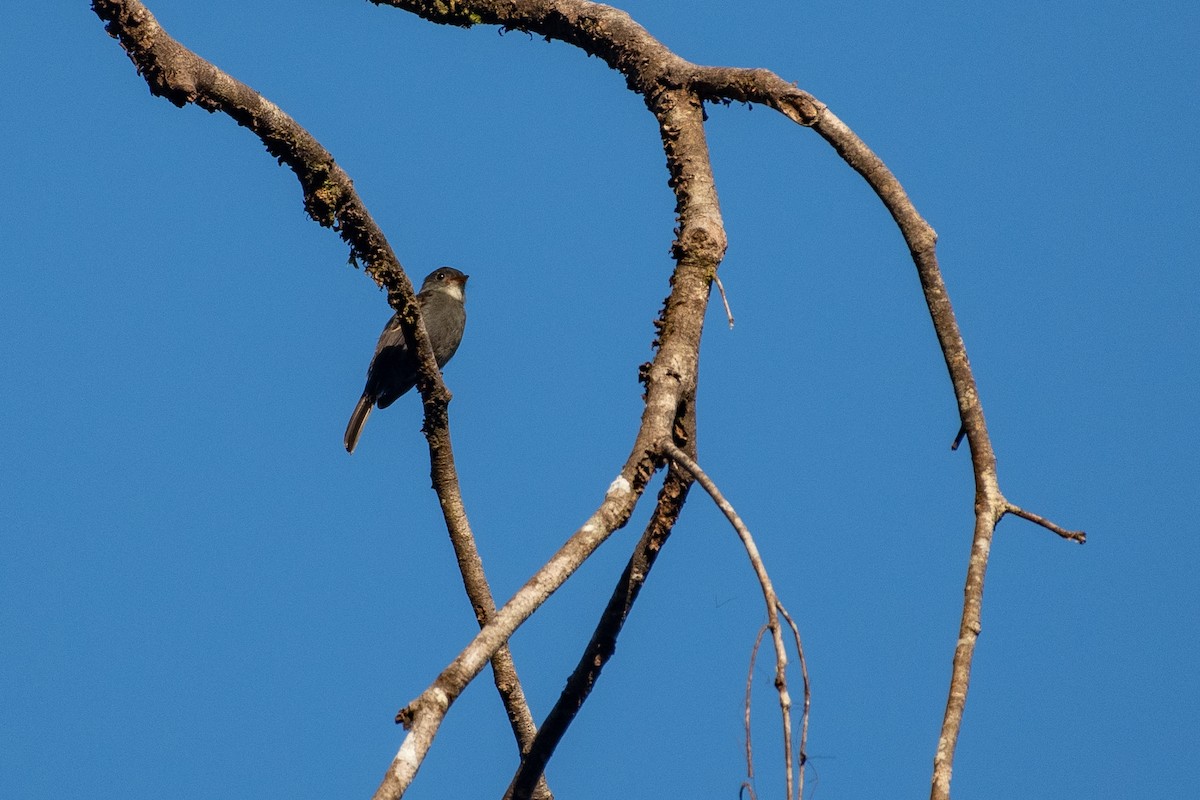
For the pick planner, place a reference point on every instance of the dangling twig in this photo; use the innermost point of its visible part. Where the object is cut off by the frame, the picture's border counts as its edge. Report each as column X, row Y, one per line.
column 748, row 784
column 671, row 451
column 724, row 300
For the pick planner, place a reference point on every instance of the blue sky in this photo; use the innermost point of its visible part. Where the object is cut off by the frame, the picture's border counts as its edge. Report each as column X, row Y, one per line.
column 204, row 595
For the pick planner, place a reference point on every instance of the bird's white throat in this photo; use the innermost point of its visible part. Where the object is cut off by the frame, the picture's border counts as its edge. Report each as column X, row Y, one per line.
column 454, row 289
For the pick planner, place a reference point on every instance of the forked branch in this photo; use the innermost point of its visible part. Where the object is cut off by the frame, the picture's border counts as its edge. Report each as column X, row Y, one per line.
column 603, row 644
column 794, row 788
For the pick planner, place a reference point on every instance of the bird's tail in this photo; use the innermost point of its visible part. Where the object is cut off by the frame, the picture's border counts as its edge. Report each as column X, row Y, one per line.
column 357, row 420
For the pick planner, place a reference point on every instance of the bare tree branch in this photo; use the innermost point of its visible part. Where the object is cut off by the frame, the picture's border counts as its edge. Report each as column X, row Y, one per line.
column 613, row 36
column 603, row 643
column 176, row 73
column 990, row 504
column 670, row 379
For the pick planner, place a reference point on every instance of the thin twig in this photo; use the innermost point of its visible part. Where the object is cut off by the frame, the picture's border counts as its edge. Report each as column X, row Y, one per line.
column 724, row 300
column 962, row 434
column 769, row 596
column 807, row 701
column 749, row 783
column 1074, row 536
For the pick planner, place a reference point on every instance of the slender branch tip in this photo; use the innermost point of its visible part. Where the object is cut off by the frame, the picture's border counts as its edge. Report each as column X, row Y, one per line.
column 1037, row 519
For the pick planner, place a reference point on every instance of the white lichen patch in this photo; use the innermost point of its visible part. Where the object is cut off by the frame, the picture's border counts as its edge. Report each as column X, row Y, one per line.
column 619, row 486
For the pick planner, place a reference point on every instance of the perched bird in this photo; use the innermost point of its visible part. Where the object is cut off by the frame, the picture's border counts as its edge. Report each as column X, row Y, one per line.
column 393, row 370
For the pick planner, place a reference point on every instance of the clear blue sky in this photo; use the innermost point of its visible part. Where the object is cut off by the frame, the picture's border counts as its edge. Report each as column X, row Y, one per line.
column 204, row 596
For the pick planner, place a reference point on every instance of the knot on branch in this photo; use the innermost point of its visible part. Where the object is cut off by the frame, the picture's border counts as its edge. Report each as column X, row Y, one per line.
column 801, row 108
column 177, row 86
column 431, row 704
column 923, row 239
column 436, row 414
column 700, row 242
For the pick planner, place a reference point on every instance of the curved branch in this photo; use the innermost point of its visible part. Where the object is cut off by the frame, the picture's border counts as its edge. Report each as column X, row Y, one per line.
column 669, row 379
column 990, row 504
column 613, row 36
column 180, row 75
column 682, row 459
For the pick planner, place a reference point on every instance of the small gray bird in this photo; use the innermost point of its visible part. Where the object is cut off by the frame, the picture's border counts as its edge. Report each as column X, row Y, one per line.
column 393, row 370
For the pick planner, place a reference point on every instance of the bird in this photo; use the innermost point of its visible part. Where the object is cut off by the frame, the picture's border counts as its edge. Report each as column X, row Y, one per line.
column 393, row 369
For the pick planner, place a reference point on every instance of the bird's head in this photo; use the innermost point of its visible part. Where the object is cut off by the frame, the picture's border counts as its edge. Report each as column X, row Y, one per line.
column 448, row 280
